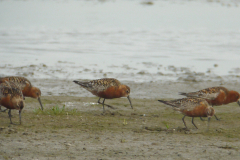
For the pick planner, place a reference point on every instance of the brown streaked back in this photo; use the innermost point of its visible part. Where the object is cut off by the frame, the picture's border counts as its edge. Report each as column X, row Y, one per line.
column 208, row 93
column 9, row 88
column 187, row 104
column 99, row 85
column 21, row 81
column 10, row 96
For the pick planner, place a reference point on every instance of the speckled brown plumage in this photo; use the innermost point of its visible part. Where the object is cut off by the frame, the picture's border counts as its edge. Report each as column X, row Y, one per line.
column 215, row 96
column 21, row 81
column 106, row 88
column 192, row 107
column 25, row 85
column 99, row 85
column 9, row 88
column 11, row 97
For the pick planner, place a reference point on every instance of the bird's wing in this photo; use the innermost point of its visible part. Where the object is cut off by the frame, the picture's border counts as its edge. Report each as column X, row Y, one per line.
column 186, row 103
column 208, row 93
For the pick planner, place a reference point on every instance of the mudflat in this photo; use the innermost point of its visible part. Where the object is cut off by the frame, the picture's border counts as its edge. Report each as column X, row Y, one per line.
column 72, row 127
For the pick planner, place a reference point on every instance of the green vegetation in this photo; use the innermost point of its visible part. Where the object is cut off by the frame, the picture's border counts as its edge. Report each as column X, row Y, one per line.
column 165, row 123
column 157, row 118
column 55, row 110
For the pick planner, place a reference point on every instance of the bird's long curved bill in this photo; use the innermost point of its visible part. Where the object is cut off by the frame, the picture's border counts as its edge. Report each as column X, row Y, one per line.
column 130, row 101
column 238, row 102
column 39, row 100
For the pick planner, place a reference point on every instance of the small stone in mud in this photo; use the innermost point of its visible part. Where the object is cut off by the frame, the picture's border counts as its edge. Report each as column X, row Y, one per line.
column 87, row 70
column 155, row 129
column 84, row 149
column 32, row 66
column 11, row 131
column 44, row 65
column 147, row 3
column 1, row 128
column 141, row 72
column 215, row 65
column 154, row 143
column 25, row 133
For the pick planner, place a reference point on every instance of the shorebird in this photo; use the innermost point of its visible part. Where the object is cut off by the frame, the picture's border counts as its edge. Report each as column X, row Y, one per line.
column 11, row 97
column 106, row 88
column 215, row 96
column 191, row 107
column 25, row 85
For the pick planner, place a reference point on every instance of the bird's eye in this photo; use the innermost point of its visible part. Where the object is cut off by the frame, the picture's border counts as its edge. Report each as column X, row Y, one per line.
column 127, row 91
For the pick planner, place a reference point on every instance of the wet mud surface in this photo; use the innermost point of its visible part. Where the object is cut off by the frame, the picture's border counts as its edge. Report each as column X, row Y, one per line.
column 149, row 90
column 72, row 127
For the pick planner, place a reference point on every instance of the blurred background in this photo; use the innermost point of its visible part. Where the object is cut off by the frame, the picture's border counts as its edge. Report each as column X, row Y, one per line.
column 131, row 40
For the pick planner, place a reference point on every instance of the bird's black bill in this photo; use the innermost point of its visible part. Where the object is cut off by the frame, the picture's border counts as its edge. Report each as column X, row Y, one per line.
column 39, row 100
column 130, row 101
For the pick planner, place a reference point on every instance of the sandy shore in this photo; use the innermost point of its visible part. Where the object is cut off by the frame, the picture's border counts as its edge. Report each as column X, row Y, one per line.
column 149, row 131
column 149, row 90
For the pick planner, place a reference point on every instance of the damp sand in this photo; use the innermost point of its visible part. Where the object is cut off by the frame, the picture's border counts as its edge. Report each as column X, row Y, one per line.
column 149, row 131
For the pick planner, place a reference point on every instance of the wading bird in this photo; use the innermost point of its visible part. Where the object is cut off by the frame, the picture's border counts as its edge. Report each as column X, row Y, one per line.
column 215, row 96
column 107, row 88
column 191, row 107
column 11, row 97
column 25, row 85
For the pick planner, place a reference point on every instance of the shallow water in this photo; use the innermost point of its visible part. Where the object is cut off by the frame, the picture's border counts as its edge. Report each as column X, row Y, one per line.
column 128, row 40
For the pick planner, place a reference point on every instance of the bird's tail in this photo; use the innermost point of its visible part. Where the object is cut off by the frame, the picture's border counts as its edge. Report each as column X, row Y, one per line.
column 167, row 103
column 78, row 82
column 183, row 93
column 190, row 94
column 83, row 84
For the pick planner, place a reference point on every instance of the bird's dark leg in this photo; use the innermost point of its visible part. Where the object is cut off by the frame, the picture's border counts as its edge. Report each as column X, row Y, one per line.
column 105, row 104
column 20, row 117
column 193, row 122
column 209, row 118
column 99, row 100
column 101, row 103
column 184, row 122
column 9, row 114
column 218, row 119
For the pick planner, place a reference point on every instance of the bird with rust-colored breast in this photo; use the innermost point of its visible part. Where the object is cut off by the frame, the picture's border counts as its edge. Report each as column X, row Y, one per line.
column 215, row 96
column 11, row 97
column 25, row 85
column 192, row 107
column 106, row 88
